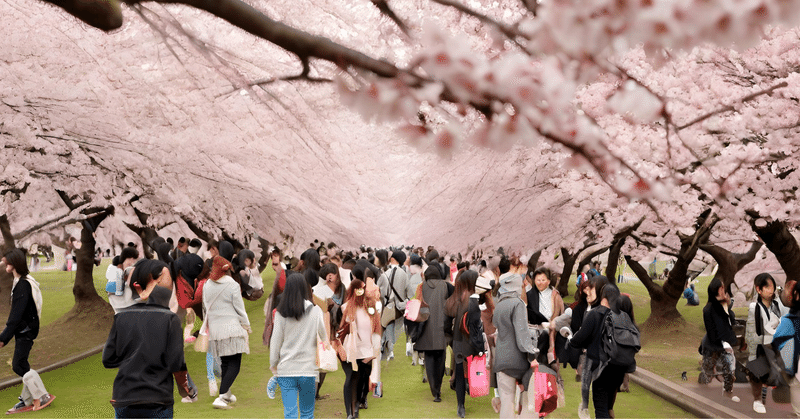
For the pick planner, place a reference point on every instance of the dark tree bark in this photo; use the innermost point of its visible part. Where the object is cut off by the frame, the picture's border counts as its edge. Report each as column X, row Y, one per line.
column 533, row 262
column 730, row 263
column 664, row 298
column 588, row 258
column 616, row 249
column 569, row 262
column 780, row 242
column 86, row 297
column 6, row 279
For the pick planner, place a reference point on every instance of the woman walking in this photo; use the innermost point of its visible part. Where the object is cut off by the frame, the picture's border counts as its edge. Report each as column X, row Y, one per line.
column 607, row 378
column 23, row 326
column 228, row 326
column 360, row 338
column 468, row 340
column 717, row 345
column 298, row 325
column 763, row 318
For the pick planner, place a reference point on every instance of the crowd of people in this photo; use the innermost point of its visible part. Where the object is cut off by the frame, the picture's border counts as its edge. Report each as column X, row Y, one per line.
column 502, row 311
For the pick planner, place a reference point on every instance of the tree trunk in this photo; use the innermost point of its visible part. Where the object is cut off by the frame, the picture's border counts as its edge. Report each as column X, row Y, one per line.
column 6, row 279
column 262, row 261
column 616, row 249
column 533, row 262
column 780, row 242
column 664, row 299
column 663, row 306
column 730, row 263
column 585, row 261
column 83, row 289
column 569, row 262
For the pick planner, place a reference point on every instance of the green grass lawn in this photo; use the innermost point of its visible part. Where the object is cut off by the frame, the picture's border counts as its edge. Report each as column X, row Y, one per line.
column 84, row 388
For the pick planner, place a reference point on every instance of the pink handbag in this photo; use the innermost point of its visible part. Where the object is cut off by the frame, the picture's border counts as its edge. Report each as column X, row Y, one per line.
column 412, row 309
column 477, row 377
column 545, row 392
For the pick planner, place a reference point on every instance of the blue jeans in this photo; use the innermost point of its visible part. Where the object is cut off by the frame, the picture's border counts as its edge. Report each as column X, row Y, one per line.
column 144, row 411
column 297, row 393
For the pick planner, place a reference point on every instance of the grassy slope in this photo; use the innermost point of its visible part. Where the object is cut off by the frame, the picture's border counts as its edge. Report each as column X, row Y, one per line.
column 84, row 388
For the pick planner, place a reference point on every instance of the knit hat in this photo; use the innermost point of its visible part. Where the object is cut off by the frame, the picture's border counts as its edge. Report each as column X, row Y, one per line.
column 399, row 256
column 510, row 283
column 219, row 267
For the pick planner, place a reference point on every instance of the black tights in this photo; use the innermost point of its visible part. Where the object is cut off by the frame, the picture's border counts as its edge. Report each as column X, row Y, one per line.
column 22, row 349
column 434, row 369
column 356, row 384
column 461, row 383
column 230, row 369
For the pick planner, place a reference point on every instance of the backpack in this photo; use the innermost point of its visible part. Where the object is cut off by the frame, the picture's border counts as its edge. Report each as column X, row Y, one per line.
column 620, row 340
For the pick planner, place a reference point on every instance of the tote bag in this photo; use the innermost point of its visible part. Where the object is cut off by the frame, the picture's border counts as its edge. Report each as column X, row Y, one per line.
column 544, row 387
column 326, row 357
column 476, row 376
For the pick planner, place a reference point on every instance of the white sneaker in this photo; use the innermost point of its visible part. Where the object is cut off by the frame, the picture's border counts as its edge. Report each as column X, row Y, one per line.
column 229, row 398
column 219, row 403
column 391, row 355
column 408, row 349
column 583, row 413
column 213, row 390
column 758, row 407
column 730, row 395
column 188, row 399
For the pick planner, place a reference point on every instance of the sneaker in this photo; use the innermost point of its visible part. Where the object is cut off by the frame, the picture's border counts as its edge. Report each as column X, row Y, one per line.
column 19, row 408
column 496, row 404
column 213, row 390
column 228, row 398
column 730, row 395
column 188, row 399
column 583, row 413
column 391, row 355
column 220, row 403
column 45, row 400
column 758, row 407
column 272, row 387
column 408, row 349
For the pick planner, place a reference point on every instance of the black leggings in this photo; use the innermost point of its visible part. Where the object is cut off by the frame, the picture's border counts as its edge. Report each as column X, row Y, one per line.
column 356, row 384
column 22, row 349
column 461, row 383
column 230, row 369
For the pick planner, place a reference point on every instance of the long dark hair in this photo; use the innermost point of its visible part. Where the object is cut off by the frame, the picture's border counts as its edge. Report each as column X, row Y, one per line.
column 16, row 258
column 599, row 283
column 146, row 270
column 331, row 268
column 293, row 298
column 465, row 286
column 611, row 295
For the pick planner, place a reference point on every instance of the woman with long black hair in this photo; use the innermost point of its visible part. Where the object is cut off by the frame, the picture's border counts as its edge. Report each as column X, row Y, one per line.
column 360, row 337
column 468, row 340
column 717, row 345
column 438, row 329
column 298, row 325
column 607, row 377
column 23, row 326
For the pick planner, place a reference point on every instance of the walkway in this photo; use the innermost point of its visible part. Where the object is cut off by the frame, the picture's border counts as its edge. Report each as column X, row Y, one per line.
column 707, row 401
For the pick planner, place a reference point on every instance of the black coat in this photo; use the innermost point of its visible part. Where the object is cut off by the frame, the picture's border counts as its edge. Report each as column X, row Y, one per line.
column 719, row 328
column 23, row 320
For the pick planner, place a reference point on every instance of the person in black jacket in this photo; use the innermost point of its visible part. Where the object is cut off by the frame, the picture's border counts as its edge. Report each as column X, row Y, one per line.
column 146, row 344
column 462, row 306
column 23, row 326
column 717, row 345
column 606, row 376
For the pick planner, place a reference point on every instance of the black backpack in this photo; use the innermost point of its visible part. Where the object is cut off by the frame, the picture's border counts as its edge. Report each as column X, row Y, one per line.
column 620, row 340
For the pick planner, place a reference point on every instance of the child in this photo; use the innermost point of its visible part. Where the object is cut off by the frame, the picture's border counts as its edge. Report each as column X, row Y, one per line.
column 146, row 344
column 762, row 320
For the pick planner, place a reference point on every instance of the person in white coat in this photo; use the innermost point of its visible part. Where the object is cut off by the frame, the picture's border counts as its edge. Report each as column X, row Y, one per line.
column 228, row 326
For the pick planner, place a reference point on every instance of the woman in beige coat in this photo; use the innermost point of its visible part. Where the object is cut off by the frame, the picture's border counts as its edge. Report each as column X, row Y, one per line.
column 228, row 326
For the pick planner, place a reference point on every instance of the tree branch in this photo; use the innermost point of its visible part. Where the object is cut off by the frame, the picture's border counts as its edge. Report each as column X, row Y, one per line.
column 730, row 108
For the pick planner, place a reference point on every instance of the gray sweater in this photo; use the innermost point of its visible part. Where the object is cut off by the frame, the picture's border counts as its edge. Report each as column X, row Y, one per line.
column 515, row 349
column 293, row 346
